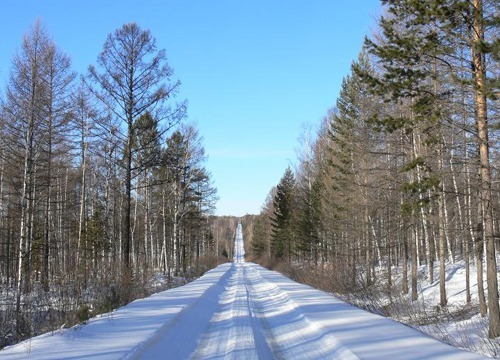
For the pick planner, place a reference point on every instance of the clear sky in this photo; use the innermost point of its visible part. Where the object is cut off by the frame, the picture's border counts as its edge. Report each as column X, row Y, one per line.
column 253, row 71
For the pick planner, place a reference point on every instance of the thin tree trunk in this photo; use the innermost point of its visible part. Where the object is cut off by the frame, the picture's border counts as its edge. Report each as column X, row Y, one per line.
column 423, row 215
column 405, row 266
column 135, row 241
column 83, row 195
column 471, row 238
column 413, row 251
column 166, row 269
column 127, row 235
column 377, row 241
column 442, row 232
column 479, row 269
column 479, row 71
column 47, row 237
column 442, row 253
column 22, row 231
column 449, row 245
column 368, row 250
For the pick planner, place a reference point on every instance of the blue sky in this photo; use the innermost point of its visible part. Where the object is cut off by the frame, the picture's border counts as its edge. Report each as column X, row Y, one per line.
column 253, row 72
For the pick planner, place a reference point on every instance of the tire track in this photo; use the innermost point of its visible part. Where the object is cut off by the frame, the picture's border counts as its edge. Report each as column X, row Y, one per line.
column 233, row 332
column 289, row 333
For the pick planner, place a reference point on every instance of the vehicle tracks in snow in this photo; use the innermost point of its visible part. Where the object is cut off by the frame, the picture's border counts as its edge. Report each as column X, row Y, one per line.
column 234, row 332
column 239, row 310
column 258, row 320
column 289, row 332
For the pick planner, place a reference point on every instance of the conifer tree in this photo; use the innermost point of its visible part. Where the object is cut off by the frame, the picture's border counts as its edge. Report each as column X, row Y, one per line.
column 281, row 221
column 259, row 234
column 351, row 140
column 418, row 34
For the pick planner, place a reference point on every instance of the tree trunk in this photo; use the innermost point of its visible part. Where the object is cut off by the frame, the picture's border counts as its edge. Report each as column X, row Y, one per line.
column 127, row 235
column 427, row 240
column 83, row 195
column 442, row 253
column 479, row 243
column 368, row 250
column 442, row 232
column 166, row 269
column 479, row 72
column 22, row 233
column 413, row 251
column 47, row 239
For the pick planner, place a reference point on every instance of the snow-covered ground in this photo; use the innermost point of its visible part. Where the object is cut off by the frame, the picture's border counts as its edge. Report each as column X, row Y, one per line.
column 459, row 323
column 237, row 311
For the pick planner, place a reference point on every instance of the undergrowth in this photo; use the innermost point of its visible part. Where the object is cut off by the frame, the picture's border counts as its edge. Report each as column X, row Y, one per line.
column 66, row 305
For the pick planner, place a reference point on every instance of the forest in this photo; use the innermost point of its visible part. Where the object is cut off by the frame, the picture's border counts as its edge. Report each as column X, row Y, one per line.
column 104, row 194
column 403, row 171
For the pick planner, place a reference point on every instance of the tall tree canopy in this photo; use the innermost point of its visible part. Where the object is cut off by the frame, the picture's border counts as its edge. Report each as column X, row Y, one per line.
column 132, row 78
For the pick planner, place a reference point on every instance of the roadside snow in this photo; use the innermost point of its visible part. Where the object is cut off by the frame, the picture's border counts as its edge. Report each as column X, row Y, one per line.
column 459, row 323
column 238, row 311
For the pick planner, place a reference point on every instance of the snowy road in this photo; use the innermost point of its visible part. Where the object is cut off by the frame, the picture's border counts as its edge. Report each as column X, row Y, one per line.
column 238, row 311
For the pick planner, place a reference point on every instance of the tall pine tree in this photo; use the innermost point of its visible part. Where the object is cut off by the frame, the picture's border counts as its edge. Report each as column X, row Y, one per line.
column 282, row 223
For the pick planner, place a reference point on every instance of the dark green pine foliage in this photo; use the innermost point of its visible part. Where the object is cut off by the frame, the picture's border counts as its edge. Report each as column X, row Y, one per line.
column 349, row 133
column 147, row 148
column 260, row 235
column 412, row 43
column 175, row 159
column 342, row 137
column 308, row 218
column 460, row 38
column 353, row 146
column 95, row 232
column 407, row 54
column 428, row 31
column 281, row 221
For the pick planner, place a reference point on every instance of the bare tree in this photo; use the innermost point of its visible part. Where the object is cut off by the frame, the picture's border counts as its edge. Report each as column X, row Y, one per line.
column 26, row 96
column 133, row 78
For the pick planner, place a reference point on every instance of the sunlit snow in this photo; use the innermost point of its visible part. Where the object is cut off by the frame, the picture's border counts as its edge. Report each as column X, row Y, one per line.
column 238, row 310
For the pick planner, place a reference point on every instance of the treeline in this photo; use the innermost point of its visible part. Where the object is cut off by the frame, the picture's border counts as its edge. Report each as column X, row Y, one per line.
column 404, row 169
column 101, row 183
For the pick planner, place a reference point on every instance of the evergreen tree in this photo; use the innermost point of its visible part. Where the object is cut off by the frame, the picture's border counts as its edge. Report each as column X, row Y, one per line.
column 261, row 230
column 424, row 41
column 308, row 222
column 282, row 219
column 406, row 81
column 259, row 236
column 147, row 148
column 351, row 143
column 307, row 216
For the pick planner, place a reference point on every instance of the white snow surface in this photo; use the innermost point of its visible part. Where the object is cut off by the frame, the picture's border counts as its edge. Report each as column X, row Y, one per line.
column 238, row 310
